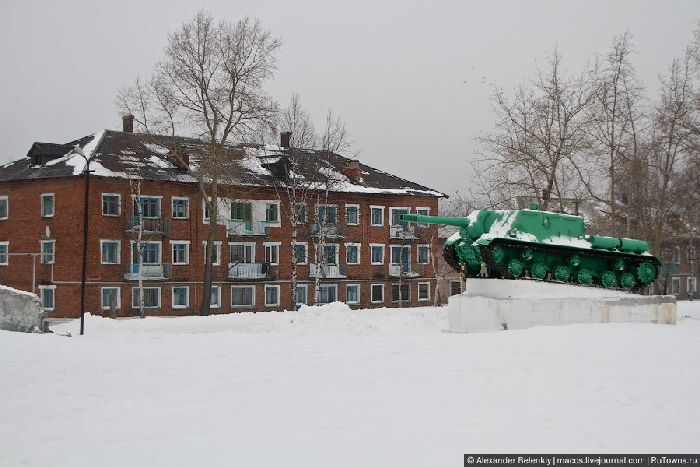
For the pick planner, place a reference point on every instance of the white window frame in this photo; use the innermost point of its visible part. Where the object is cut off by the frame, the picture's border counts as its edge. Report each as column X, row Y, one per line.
column 323, row 245
column 218, row 295
column 136, row 306
column 119, row 204
column 252, row 250
column 6, row 199
column 351, row 205
column 187, row 297
column 269, row 286
column 401, row 248
column 278, row 222
column 306, row 250
column 396, row 208
column 53, row 204
column 371, row 218
column 359, row 253
column 7, row 253
column 676, row 279
column 403, row 284
column 217, row 248
column 53, row 254
column 691, row 282
column 326, row 205
column 426, row 213
column 187, row 252
column 347, row 301
column 419, row 286
column 306, row 294
column 334, row 286
column 42, row 288
column 273, row 244
column 306, row 213
column 119, row 251
column 160, row 251
column 372, row 245
column 205, row 218
column 371, row 294
column 105, row 306
column 418, row 248
column 179, row 198
column 159, row 214
column 243, row 287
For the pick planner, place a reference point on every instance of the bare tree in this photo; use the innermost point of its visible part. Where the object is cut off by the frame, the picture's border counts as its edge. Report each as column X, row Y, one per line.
column 210, row 85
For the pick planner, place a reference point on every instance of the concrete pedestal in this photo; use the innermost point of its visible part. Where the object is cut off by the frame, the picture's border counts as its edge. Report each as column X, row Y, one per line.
column 493, row 304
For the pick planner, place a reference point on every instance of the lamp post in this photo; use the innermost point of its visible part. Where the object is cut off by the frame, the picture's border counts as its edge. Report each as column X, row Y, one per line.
column 86, row 173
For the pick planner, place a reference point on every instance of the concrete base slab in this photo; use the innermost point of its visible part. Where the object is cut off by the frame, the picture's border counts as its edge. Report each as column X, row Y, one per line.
column 493, row 304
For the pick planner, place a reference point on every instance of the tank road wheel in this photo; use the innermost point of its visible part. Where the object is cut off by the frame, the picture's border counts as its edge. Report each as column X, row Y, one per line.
column 627, row 281
column 497, row 254
column 575, row 260
column 608, row 279
column 584, row 276
column 619, row 265
column 562, row 273
column 646, row 272
column 515, row 267
column 538, row 271
column 526, row 254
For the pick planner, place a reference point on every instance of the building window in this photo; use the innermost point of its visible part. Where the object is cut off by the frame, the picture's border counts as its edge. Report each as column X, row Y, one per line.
column 300, row 213
column 181, row 251
column 400, row 254
column 377, row 216
column 300, row 253
column 47, row 205
column 181, row 296
column 111, row 204
column 377, row 293
column 327, row 214
column 48, row 251
column 180, row 207
column 272, row 212
column 352, row 214
column 4, row 207
column 242, row 211
column 151, row 297
column 691, row 286
column 272, row 253
column 676, row 285
column 423, row 253
column 205, row 212
column 327, row 293
column 272, row 295
column 110, row 251
column 150, row 252
column 4, row 253
column 328, row 254
column 241, row 253
column 691, row 251
column 242, row 295
column 423, row 212
column 302, row 294
column 352, row 253
column 111, row 298
column 149, row 207
column 215, row 301
column 423, row 291
column 47, row 294
column 405, row 292
column 215, row 253
column 377, row 254
column 352, row 294
column 396, row 214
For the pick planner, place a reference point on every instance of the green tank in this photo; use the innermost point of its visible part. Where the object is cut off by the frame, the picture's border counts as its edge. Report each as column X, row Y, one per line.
column 544, row 246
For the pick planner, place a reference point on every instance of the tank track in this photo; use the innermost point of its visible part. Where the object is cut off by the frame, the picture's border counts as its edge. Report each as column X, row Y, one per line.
column 501, row 271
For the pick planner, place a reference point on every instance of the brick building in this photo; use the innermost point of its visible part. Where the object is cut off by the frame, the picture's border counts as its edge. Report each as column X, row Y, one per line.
column 366, row 254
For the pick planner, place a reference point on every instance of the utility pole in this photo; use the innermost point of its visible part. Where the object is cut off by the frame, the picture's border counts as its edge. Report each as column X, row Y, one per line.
column 86, row 204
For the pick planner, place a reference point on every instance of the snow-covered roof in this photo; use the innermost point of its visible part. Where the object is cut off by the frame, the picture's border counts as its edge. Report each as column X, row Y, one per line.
column 154, row 157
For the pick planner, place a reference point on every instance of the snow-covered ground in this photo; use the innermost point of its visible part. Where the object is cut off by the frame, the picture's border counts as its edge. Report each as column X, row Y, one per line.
column 334, row 387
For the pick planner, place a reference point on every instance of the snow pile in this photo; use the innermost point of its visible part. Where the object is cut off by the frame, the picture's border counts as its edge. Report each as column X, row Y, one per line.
column 329, row 386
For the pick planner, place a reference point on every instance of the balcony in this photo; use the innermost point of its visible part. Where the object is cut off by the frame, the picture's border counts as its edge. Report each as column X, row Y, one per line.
column 328, row 230
column 249, row 271
column 149, row 272
column 239, row 228
column 405, row 232
column 148, row 225
column 398, row 270
column 327, row 271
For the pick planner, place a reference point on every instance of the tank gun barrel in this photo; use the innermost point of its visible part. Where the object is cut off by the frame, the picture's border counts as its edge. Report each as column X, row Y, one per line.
column 455, row 221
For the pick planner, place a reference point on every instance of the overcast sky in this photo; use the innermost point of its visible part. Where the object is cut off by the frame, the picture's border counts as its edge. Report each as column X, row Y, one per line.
column 411, row 80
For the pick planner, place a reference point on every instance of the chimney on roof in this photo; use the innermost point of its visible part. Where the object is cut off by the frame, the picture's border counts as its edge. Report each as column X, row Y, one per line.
column 128, row 123
column 285, row 137
column 351, row 169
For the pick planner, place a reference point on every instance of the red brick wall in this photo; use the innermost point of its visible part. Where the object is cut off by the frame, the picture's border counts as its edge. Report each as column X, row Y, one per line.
column 25, row 228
